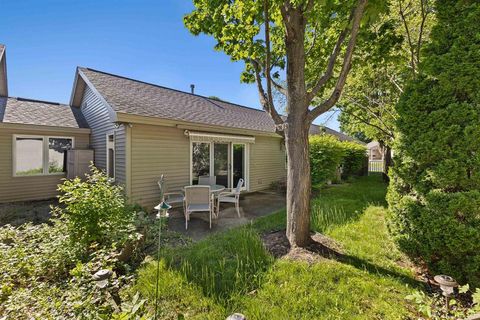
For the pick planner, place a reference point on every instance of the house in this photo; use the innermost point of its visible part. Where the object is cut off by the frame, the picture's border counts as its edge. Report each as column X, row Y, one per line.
column 138, row 132
column 375, row 151
column 141, row 131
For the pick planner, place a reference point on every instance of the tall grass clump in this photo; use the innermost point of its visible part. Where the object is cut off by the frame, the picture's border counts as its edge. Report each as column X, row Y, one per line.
column 224, row 265
column 338, row 205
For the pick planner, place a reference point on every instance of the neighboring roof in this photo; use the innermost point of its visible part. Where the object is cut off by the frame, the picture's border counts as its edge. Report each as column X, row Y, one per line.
column 316, row 129
column 3, row 72
column 135, row 97
column 43, row 113
column 373, row 144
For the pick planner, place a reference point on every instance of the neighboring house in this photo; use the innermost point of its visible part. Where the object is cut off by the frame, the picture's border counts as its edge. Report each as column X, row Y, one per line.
column 316, row 130
column 375, row 151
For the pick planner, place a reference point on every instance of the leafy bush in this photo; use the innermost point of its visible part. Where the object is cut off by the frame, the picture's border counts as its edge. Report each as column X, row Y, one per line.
column 326, row 154
column 47, row 269
column 95, row 210
column 434, row 196
column 466, row 303
column 354, row 160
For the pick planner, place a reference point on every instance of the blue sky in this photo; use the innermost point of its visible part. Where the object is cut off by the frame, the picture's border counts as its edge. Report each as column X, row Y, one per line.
column 141, row 39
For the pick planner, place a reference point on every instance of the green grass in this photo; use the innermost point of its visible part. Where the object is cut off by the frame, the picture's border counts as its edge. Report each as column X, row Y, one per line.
column 231, row 272
column 339, row 204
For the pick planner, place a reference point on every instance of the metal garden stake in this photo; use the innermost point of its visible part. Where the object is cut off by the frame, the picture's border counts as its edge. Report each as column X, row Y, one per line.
column 162, row 208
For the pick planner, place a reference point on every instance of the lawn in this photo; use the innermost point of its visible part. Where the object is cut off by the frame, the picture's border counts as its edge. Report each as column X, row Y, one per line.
column 232, row 272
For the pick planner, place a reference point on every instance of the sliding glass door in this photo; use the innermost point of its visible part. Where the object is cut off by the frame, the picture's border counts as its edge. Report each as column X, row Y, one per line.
column 228, row 161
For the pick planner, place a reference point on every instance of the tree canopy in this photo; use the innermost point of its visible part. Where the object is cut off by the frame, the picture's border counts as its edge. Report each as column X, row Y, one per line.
column 388, row 55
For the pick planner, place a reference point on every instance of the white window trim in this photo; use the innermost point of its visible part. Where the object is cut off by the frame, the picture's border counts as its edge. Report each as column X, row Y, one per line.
column 108, row 146
column 44, row 154
column 246, row 187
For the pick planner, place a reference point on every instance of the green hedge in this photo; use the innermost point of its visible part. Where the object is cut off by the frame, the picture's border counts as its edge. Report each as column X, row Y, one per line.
column 355, row 159
column 434, row 195
column 327, row 153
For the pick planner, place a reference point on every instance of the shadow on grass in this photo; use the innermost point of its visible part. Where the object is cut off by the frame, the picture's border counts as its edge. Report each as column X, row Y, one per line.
column 322, row 247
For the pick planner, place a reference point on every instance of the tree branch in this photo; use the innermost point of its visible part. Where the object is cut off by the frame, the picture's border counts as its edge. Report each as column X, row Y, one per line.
column 347, row 63
column 409, row 37
column 279, row 87
column 424, row 13
column 264, row 101
column 387, row 133
column 331, row 64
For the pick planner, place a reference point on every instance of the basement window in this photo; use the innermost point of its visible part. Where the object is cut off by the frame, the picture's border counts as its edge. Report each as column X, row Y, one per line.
column 40, row 155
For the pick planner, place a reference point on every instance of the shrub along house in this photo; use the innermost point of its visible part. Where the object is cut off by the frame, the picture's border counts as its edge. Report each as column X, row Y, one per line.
column 138, row 131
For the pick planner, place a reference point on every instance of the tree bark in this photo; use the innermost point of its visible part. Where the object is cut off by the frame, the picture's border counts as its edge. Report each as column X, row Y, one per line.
column 296, row 134
column 298, row 183
column 387, row 162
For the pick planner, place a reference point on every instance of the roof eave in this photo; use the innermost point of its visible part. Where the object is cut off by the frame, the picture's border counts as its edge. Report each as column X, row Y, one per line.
column 35, row 127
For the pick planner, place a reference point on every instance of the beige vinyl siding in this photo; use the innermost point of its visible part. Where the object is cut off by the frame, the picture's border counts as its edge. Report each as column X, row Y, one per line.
column 97, row 114
column 33, row 187
column 267, row 162
column 157, row 150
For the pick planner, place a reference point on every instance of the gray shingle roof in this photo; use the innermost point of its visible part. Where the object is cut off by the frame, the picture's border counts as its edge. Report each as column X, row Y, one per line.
column 34, row 112
column 316, row 129
column 140, row 98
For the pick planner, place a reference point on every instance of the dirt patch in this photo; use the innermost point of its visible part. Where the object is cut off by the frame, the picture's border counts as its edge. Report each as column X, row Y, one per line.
column 320, row 248
column 18, row 213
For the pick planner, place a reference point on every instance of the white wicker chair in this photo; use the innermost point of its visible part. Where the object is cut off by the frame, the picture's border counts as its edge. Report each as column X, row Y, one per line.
column 198, row 199
column 172, row 198
column 207, row 180
column 232, row 197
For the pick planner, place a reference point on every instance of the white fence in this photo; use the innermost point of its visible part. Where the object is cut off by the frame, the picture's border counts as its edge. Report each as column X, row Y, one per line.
column 375, row 166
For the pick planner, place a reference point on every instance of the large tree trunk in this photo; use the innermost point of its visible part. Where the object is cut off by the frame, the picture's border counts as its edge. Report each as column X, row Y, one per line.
column 298, row 184
column 296, row 135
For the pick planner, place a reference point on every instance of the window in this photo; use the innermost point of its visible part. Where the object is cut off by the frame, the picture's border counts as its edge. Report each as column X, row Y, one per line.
column 57, row 154
column 28, row 156
column 38, row 155
column 111, row 156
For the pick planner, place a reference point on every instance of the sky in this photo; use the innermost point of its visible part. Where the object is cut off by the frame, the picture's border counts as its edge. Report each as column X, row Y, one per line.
column 141, row 39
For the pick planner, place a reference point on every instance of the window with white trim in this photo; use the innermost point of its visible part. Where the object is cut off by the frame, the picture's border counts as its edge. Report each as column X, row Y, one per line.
column 111, row 156
column 40, row 155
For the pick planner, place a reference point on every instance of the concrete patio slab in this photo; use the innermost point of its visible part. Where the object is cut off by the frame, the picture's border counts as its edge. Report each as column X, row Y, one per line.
column 253, row 205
